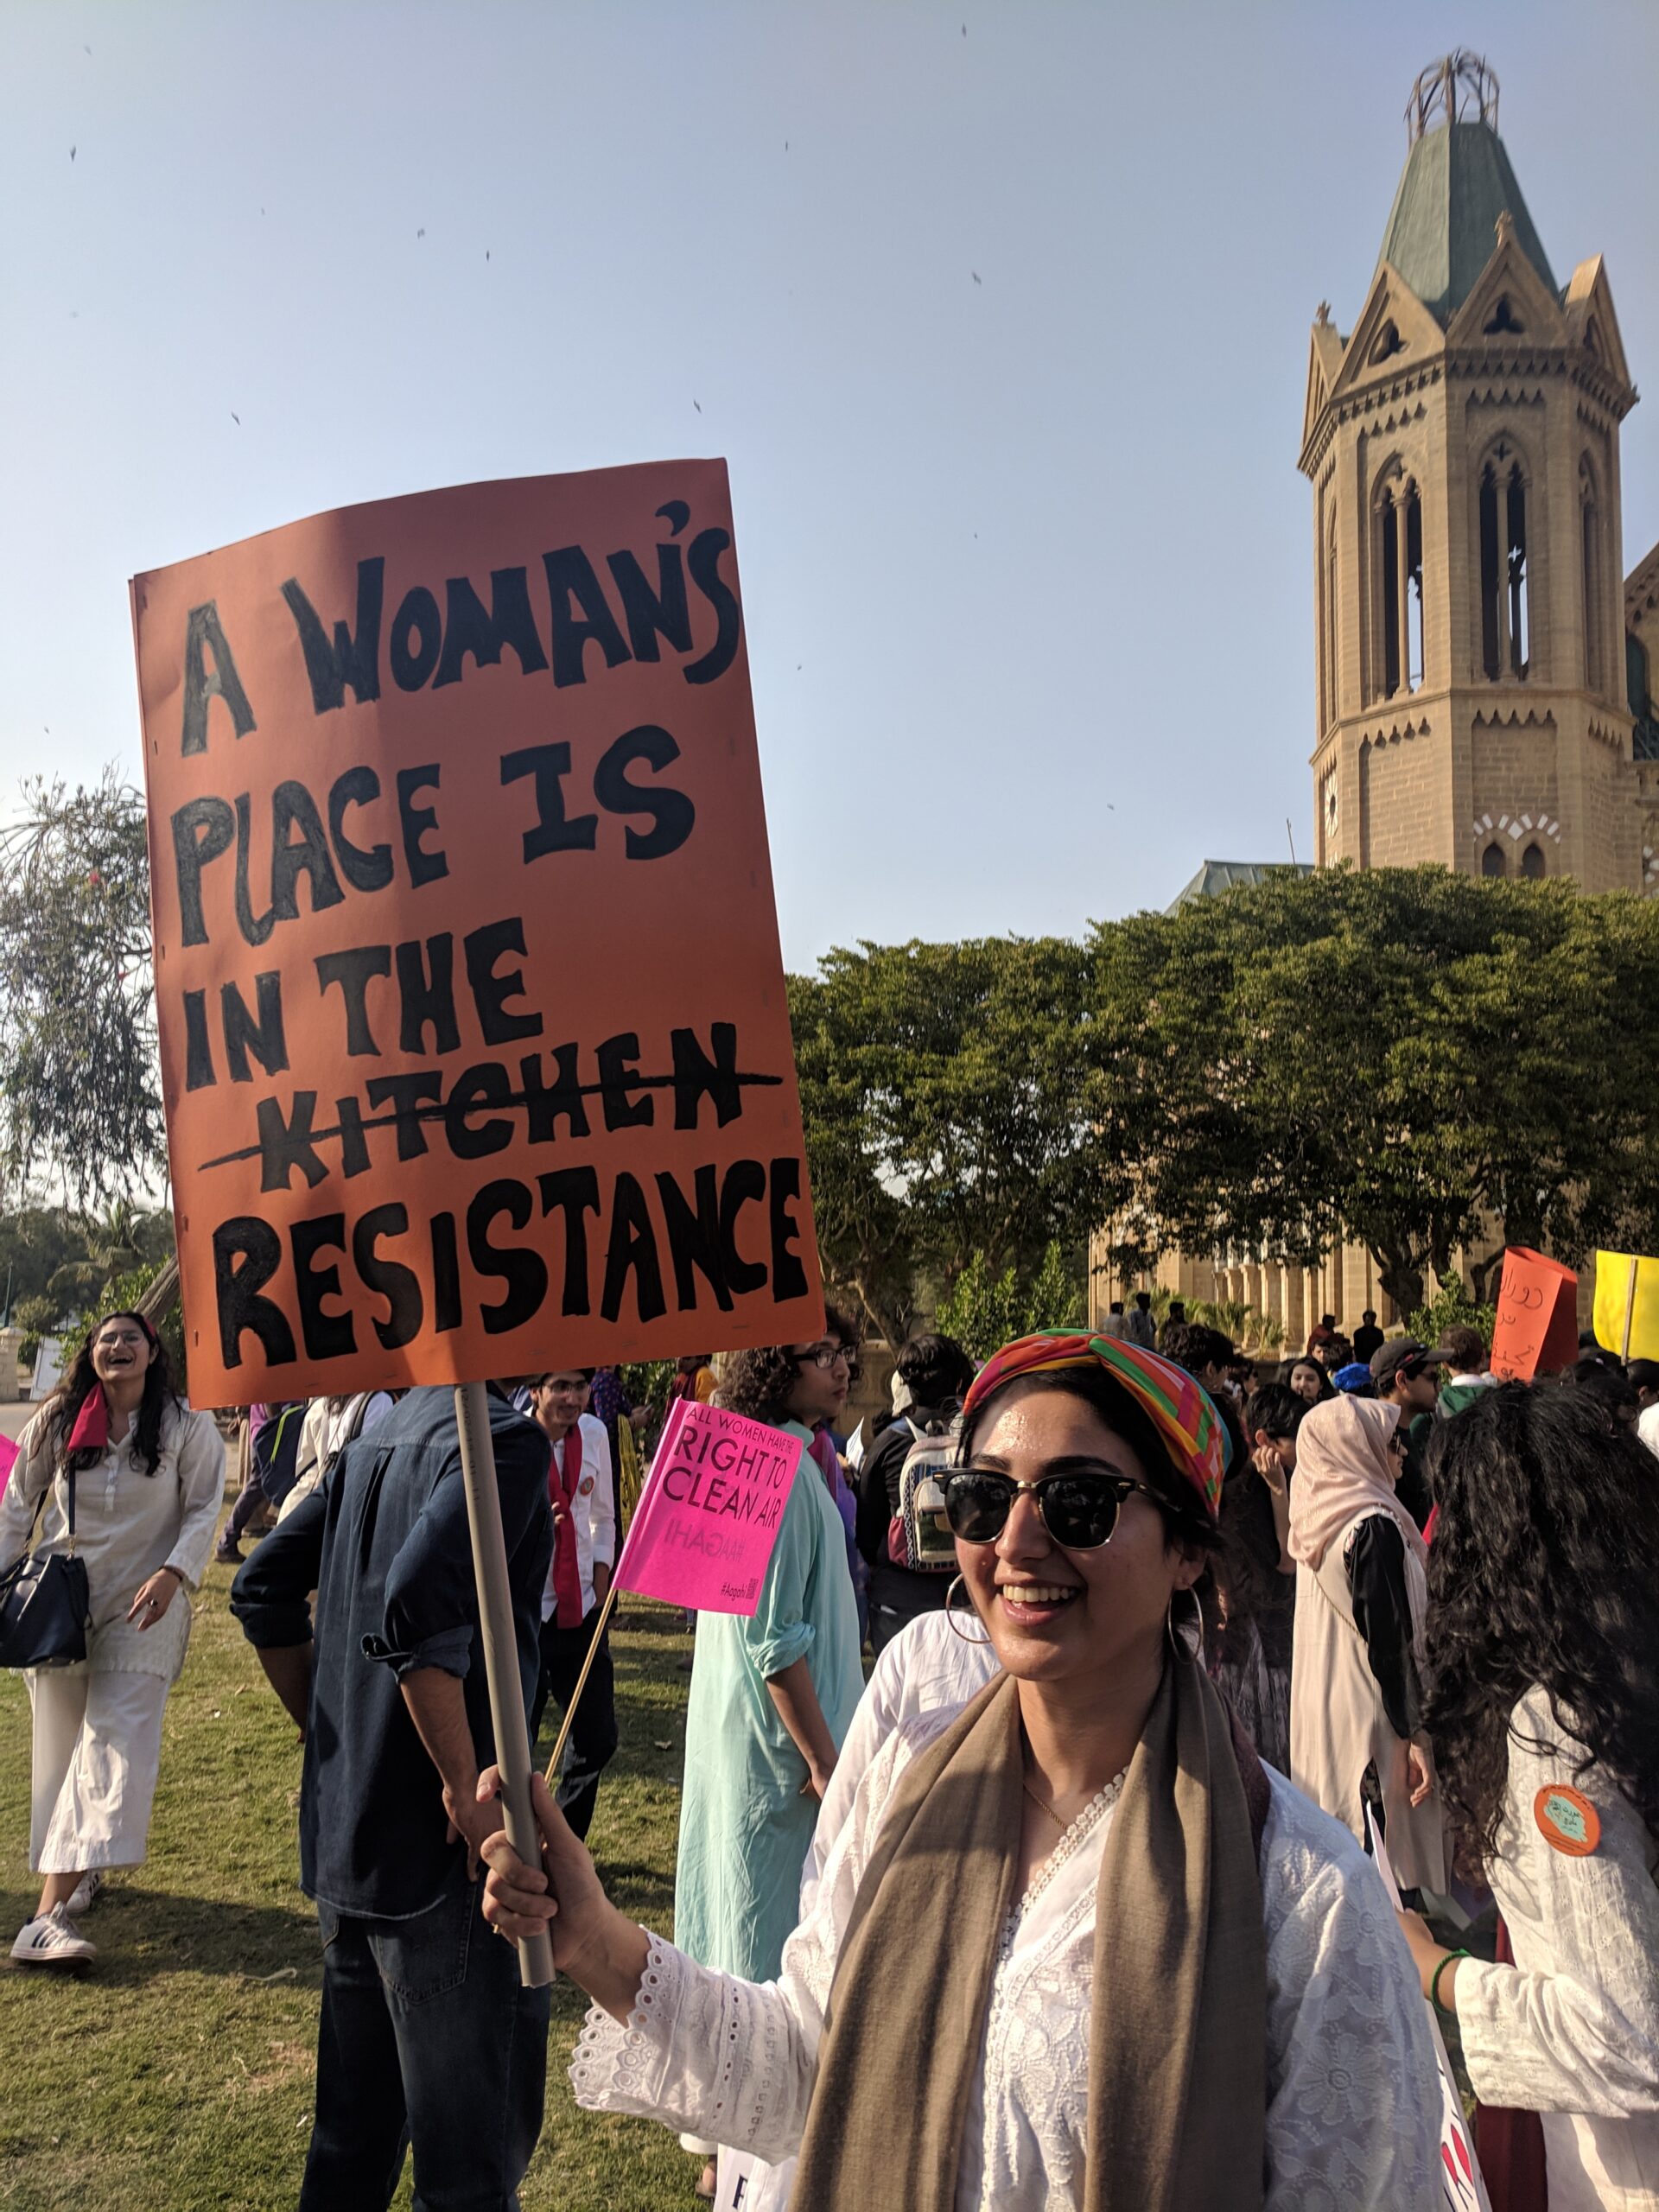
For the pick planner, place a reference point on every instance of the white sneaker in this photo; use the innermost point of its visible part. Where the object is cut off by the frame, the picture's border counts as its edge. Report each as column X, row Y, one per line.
column 86, row 1893
column 52, row 1940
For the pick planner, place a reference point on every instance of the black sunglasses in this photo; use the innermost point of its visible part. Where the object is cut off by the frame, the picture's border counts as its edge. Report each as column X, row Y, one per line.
column 1078, row 1510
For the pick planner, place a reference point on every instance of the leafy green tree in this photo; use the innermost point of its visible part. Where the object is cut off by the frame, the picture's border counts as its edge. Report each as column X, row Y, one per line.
column 56, row 1262
column 1406, row 1058
column 79, row 1096
column 945, row 1096
column 1451, row 1307
column 984, row 1309
column 865, row 1236
column 35, row 1243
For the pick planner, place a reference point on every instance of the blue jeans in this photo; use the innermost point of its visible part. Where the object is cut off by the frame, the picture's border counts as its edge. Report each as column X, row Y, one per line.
column 427, row 2041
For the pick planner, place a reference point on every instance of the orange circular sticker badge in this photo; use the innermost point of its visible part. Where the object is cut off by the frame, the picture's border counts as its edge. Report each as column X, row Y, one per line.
column 1566, row 1820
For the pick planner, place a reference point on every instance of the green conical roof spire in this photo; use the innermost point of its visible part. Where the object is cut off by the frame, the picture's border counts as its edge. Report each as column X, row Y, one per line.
column 1443, row 226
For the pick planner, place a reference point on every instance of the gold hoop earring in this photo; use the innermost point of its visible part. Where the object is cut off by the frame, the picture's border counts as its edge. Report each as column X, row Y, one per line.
column 951, row 1616
column 1187, row 1641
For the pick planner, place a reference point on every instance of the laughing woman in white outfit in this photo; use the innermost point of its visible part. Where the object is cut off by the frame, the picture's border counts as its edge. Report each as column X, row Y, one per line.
column 1069, row 1948
column 149, row 1479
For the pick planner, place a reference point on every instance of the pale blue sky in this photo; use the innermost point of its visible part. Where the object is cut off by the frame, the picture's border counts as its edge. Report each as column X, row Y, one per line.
column 1025, row 561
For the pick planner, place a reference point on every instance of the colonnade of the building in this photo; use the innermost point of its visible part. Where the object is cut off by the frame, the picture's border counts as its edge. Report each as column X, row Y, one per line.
column 1294, row 1297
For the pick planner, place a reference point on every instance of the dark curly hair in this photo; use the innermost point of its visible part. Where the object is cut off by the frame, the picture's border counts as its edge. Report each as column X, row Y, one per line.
column 1544, row 1570
column 1276, row 1410
column 935, row 1369
column 757, row 1383
column 1613, row 1393
column 160, row 1392
column 1194, row 1345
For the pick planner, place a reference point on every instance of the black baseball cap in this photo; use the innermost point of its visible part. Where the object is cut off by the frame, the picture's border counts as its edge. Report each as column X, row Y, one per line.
column 1402, row 1351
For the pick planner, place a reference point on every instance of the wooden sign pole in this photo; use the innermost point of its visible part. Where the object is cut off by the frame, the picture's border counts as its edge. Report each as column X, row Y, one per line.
column 500, row 1650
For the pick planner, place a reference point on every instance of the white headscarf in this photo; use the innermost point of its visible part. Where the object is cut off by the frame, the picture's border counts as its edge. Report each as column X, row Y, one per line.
column 1344, row 1469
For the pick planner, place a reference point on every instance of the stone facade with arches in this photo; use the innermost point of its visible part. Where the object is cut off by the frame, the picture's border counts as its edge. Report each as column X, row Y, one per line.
column 1476, row 687
column 1485, row 690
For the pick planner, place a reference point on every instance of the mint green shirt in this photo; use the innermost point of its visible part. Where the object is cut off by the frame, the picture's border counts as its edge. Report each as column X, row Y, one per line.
column 745, row 1826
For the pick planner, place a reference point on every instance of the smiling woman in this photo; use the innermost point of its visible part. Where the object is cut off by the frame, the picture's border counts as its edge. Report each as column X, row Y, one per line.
column 1070, row 1946
column 130, row 1481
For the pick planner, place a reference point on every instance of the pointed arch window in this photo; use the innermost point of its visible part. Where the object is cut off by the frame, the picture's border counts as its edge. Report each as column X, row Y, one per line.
column 1644, row 712
column 1492, row 860
column 1505, row 579
column 1589, row 555
column 1332, row 703
column 1532, row 863
column 1414, row 628
column 1399, row 542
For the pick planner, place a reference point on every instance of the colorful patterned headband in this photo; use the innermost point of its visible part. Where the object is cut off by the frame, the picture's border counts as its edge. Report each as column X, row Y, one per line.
column 1187, row 1423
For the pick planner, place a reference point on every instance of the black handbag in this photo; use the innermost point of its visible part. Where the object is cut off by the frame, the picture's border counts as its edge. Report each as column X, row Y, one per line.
column 45, row 1605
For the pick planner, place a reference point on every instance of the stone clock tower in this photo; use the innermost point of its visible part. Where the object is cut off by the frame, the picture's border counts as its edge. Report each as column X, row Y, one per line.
column 1462, row 442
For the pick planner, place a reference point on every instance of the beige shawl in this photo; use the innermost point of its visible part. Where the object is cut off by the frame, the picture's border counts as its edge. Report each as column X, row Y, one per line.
column 1177, row 2034
column 1343, row 1471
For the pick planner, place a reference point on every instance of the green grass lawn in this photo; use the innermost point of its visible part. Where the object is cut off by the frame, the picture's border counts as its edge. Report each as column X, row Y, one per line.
column 179, row 2074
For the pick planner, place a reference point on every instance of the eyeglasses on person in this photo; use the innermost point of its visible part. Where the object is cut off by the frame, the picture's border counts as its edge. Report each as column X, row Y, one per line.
column 1079, row 1510
column 825, row 1357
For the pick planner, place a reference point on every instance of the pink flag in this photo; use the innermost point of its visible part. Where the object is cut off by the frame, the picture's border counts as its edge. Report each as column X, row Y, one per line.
column 8, row 1454
column 702, row 1533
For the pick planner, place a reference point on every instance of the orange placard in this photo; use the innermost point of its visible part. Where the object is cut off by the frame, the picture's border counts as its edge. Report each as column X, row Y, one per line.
column 1536, row 1331
column 474, row 1043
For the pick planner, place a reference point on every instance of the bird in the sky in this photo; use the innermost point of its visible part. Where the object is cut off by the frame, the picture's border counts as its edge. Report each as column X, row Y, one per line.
column 236, row 418
column 977, row 278
column 72, row 153
column 421, row 234
column 487, row 253
column 698, row 404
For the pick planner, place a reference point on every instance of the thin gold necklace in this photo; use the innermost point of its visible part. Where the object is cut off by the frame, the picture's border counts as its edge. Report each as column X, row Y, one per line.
column 1042, row 1805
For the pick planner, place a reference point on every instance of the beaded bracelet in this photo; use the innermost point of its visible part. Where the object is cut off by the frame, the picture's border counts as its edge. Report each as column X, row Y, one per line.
column 1450, row 1960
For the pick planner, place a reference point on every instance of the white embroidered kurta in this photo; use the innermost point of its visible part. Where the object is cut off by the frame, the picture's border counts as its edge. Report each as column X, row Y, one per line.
column 127, row 1525
column 1353, row 2112
column 1571, row 2029
column 595, row 1516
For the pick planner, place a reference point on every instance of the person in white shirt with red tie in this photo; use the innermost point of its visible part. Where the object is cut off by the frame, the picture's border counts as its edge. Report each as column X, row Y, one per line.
column 582, row 1497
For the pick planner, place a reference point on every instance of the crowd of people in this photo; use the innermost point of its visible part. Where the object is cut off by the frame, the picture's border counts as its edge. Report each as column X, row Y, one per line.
column 1069, row 1905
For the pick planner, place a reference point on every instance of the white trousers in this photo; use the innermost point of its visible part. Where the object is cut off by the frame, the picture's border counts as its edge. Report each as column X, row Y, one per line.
column 97, row 1750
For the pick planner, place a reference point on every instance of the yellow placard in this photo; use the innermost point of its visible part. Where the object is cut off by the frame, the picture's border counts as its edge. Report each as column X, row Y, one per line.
column 1614, row 1304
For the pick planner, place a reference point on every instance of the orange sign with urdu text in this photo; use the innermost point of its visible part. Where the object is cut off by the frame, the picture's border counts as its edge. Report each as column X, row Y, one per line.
column 474, row 1042
column 1536, row 1331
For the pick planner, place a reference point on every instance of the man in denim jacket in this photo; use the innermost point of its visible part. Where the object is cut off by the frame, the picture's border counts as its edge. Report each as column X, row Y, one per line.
column 427, row 2039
